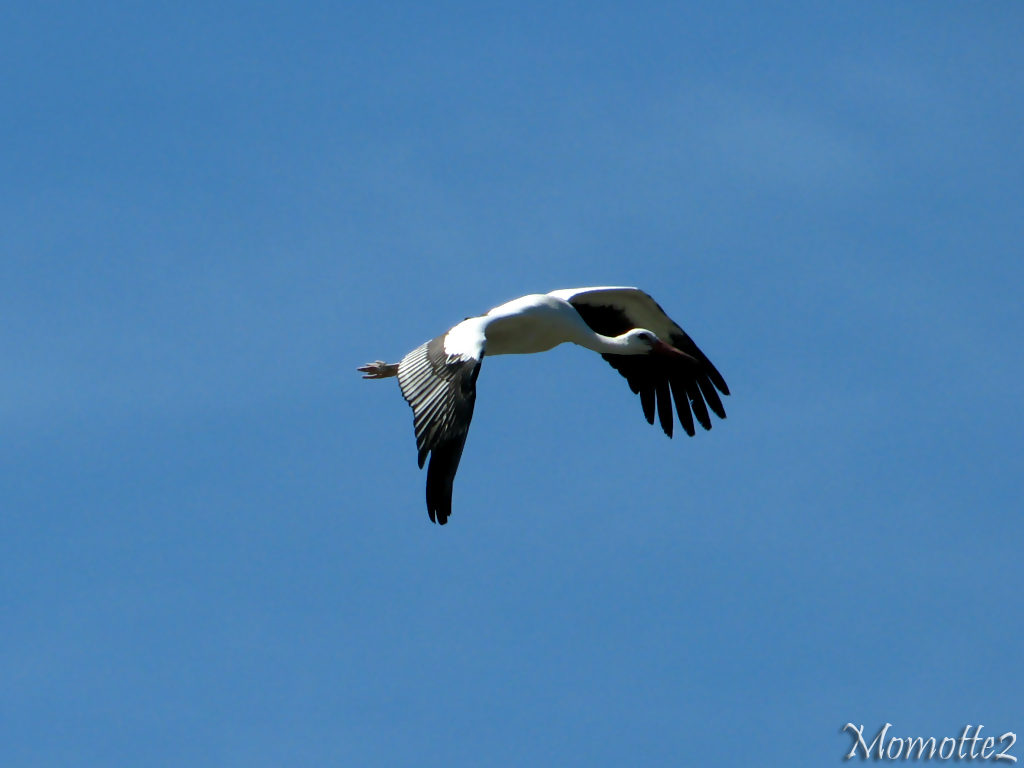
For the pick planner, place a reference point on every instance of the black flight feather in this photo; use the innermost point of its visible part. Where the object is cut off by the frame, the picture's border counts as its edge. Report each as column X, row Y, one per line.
column 661, row 380
column 442, row 393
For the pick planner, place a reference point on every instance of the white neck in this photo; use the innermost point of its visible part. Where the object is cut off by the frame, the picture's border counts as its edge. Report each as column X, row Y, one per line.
column 608, row 345
column 580, row 333
column 539, row 322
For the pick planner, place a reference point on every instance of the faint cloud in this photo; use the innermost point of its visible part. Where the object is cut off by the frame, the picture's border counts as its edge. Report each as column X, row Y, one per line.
column 714, row 138
column 778, row 149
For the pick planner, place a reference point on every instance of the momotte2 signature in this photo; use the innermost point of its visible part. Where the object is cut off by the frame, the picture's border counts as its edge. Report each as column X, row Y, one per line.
column 969, row 748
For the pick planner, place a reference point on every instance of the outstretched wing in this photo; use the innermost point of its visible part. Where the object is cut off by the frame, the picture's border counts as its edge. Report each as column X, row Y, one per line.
column 441, row 388
column 658, row 380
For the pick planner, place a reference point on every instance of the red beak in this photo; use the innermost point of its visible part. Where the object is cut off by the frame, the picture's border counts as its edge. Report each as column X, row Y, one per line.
column 661, row 348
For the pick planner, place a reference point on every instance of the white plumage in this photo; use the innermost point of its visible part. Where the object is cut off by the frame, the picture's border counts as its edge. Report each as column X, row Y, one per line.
column 625, row 325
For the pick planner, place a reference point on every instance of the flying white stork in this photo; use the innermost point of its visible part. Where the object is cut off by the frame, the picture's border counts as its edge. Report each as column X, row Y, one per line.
column 625, row 325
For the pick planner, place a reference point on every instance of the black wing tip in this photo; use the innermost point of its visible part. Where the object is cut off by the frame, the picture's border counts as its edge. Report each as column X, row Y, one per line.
column 716, row 407
column 439, row 509
column 439, row 506
column 441, row 517
column 716, row 378
column 438, row 516
column 704, row 419
column 444, row 463
column 665, row 415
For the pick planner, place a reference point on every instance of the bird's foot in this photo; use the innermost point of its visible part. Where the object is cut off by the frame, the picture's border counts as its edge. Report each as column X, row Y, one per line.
column 378, row 370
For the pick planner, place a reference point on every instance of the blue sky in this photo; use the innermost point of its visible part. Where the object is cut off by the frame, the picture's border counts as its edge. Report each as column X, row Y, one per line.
column 214, row 549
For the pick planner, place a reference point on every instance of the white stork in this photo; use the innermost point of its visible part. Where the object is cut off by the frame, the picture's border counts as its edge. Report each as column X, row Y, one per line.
column 625, row 325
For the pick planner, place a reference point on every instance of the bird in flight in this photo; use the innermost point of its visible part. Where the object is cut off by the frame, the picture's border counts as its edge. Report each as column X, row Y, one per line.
column 625, row 325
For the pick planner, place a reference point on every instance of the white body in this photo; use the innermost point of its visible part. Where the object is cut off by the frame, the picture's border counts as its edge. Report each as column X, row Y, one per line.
column 657, row 358
column 530, row 324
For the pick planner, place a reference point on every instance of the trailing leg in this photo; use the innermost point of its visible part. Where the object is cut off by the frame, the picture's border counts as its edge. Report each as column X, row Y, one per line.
column 378, row 370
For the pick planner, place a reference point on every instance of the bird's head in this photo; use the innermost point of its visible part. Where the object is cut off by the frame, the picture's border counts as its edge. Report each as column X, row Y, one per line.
column 640, row 341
